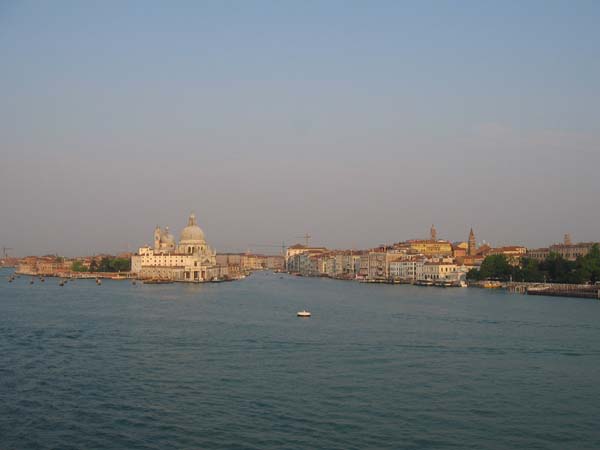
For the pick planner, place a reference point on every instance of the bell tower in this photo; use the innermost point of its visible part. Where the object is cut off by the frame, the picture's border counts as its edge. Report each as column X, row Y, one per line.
column 472, row 245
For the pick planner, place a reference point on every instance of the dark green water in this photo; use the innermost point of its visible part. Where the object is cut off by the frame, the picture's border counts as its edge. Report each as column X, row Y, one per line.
column 231, row 366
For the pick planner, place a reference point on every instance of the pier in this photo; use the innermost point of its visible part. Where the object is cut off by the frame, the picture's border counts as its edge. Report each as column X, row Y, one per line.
column 554, row 289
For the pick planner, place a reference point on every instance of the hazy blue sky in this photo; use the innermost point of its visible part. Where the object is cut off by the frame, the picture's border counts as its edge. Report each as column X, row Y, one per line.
column 359, row 122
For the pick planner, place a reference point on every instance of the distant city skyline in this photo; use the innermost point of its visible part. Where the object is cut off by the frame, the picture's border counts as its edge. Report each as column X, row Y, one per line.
column 359, row 123
column 276, row 248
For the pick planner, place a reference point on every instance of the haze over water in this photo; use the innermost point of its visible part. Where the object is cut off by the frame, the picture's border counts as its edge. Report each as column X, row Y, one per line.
column 360, row 123
column 231, row 366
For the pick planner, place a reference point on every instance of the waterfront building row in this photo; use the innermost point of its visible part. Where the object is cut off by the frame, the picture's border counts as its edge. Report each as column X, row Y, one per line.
column 245, row 262
column 376, row 265
column 322, row 262
column 569, row 252
column 50, row 265
column 43, row 265
column 414, row 260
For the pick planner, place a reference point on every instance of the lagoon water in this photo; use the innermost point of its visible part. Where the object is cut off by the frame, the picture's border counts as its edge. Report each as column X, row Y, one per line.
column 230, row 366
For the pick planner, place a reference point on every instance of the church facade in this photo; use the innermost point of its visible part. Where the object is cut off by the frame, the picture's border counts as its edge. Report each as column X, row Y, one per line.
column 191, row 259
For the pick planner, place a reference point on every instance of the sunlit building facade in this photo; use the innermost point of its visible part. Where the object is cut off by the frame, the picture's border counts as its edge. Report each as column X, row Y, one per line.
column 190, row 260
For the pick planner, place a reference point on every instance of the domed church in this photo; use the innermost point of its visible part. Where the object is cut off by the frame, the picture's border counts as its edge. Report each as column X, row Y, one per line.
column 189, row 260
column 192, row 239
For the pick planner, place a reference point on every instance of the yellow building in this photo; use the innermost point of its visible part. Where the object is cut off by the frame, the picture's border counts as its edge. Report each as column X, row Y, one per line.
column 299, row 248
column 513, row 253
column 430, row 247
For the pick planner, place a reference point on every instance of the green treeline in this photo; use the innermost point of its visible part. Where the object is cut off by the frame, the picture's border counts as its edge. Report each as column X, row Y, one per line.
column 554, row 269
column 106, row 264
column 78, row 266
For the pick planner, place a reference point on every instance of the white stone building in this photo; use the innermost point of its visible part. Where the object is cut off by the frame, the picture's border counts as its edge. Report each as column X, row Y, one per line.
column 189, row 260
column 406, row 268
column 438, row 270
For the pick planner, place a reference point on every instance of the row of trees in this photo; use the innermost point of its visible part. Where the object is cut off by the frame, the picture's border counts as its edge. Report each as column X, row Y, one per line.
column 106, row 264
column 554, row 269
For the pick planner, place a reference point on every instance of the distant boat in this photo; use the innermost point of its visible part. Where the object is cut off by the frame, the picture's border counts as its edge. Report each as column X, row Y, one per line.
column 463, row 283
column 62, row 283
column 303, row 313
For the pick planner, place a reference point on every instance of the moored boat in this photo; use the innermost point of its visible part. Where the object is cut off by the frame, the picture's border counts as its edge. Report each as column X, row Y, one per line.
column 303, row 313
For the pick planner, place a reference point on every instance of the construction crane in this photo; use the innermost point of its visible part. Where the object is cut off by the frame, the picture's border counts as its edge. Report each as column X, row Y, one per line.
column 306, row 238
column 4, row 249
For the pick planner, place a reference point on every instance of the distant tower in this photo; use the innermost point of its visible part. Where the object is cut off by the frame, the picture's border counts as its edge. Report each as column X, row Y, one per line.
column 433, row 233
column 157, row 234
column 472, row 246
column 567, row 239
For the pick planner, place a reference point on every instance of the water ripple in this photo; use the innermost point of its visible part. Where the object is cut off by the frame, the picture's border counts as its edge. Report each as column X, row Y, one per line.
column 231, row 367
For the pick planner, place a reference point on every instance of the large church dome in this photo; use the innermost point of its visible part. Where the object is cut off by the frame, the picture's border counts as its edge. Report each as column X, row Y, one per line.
column 192, row 233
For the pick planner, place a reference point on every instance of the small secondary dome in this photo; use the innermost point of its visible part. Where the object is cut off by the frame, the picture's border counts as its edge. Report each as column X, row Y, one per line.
column 192, row 233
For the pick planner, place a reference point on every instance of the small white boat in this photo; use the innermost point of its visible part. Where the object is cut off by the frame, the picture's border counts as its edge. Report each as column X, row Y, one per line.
column 303, row 313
